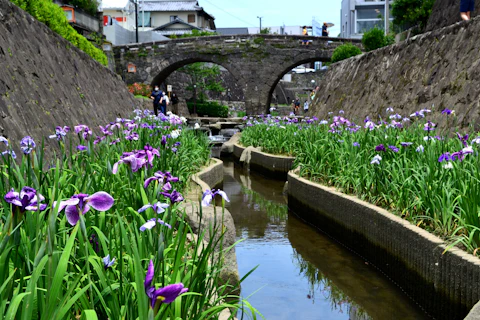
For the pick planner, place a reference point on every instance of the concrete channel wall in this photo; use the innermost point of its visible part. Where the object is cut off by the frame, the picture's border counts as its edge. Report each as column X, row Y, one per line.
column 446, row 283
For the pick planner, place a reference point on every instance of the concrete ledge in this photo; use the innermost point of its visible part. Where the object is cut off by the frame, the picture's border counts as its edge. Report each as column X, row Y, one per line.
column 447, row 285
column 274, row 166
column 210, row 176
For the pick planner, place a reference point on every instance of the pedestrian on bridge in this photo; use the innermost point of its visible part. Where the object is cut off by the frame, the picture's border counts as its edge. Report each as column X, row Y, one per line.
column 325, row 30
column 305, row 33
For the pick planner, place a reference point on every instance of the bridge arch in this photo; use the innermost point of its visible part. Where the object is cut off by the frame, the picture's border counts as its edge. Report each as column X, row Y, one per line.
column 256, row 62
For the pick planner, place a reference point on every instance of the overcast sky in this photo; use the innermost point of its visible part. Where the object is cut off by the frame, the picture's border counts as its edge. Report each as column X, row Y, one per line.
column 243, row 13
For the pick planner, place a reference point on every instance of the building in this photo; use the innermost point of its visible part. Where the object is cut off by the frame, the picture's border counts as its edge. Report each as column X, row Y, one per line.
column 119, row 12
column 358, row 16
column 169, row 17
column 291, row 30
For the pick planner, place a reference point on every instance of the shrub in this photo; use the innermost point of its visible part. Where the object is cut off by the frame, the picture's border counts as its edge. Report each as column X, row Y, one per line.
column 53, row 16
column 211, row 109
column 345, row 51
column 374, row 38
column 140, row 89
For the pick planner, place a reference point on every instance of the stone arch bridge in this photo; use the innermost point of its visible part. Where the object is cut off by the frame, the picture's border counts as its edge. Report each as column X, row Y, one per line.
column 257, row 62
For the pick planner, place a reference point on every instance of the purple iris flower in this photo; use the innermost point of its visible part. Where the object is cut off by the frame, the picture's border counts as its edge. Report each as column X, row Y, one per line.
column 133, row 136
column 420, row 148
column 81, row 148
column 376, row 159
column 27, row 200
column 157, row 207
column 390, row 109
column 369, row 125
column 84, row 130
column 164, row 140
column 163, row 295
column 429, row 126
column 27, row 144
column 107, row 263
column 380, row 148
column 406, row 144
column 115, row 141
column 152, row 223
column 445, row 157
column 81, row 203
column 393, row 148
column 135, row 160
column 4, row 140
column 459, row 155
column 60, row 133
column 209, row 195
column 105, row 130
column 98, row 139
column 161, row 177
column 174, row 197
column 356, row 144
column 447, row 111
column 463, row 139
column 10, row 152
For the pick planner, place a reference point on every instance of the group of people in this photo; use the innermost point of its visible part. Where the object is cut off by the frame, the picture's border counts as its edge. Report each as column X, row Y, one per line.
column 296, row 106
column 161, row 100
column 325, row 33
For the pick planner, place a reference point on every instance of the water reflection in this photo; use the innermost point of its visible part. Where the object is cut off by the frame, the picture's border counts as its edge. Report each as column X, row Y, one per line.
column 302, row 274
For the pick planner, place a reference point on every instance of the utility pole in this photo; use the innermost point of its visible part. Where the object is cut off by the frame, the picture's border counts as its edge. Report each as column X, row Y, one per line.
column 387, row 16
column 136, row 21
column 260, row 24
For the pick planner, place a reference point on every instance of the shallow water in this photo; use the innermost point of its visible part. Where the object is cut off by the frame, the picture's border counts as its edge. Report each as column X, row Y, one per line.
column 302, row 273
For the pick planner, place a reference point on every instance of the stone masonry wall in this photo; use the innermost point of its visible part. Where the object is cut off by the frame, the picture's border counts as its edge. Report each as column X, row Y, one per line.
column 445, row 13
column 440, row 68
column 45, row 81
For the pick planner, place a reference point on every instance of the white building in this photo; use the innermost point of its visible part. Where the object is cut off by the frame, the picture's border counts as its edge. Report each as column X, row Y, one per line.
column 358, row 16
column 292, row 30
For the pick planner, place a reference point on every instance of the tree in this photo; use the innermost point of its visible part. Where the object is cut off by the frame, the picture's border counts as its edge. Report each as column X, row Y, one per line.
column 345, row 51
column 373, row 39
column 265, row 31
column 410, row 13
column 204, row 77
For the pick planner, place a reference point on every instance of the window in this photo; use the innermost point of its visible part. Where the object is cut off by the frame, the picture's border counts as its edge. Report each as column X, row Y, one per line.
column 368, row 17
column 191, row 18
column 173, row 18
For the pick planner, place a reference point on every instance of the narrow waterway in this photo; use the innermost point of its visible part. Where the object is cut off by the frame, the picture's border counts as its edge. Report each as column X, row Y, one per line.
column 302, row 274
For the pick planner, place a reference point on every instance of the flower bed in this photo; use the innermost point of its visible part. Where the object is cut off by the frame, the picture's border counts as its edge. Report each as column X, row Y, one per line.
column 98, row 232
column 403, row 164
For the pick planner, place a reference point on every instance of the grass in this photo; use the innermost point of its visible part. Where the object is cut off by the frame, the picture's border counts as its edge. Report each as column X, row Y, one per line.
column 50, row 269
column 411, row 179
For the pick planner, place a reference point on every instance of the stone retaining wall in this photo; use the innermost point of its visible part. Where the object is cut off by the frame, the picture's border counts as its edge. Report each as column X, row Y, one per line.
column 446, row 284
column 274, row 166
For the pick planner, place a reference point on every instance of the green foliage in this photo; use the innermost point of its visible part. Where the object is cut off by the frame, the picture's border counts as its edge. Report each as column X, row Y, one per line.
column 53, row 16
column 195, row 33
column 203, row 78
column 374, row 39
column 410, row 180
column 409, row 13
column 211, row 109
column 345, row 51
column 259, row 40
column 89, row 6
column 266, row 31
column 52, row 270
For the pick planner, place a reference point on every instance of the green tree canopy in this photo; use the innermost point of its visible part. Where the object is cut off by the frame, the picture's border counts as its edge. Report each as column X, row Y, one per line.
column 204, row 77
column 345, row 51
column 409, row 13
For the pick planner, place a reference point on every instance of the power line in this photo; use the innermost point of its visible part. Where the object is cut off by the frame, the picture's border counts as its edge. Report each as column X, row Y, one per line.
column 229, row 13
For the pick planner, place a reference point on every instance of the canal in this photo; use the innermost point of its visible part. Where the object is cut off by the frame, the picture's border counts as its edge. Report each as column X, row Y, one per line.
column 302, row 274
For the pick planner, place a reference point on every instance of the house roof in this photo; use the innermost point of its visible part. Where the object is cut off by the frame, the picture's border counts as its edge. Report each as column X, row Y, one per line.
column 187, row 26
column 168, row 5
column 231, row 31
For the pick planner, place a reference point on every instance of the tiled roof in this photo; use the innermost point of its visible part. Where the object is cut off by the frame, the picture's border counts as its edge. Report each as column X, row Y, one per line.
column 169, row 6
column 231, row 31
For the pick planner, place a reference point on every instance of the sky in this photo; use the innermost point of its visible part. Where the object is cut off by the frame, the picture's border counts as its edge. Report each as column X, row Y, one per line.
column 244, row 13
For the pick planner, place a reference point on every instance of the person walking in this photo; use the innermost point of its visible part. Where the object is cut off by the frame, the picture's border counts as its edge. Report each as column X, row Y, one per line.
column 325, row 30
column 466, row 7
column 305, row 33
column 156, row 96
column 163, row 104
column 305, row 106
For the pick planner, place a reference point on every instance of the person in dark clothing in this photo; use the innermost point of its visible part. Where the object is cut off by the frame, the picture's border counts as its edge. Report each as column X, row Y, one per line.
column 324, row 30
column 156, row 96
column 466, row 7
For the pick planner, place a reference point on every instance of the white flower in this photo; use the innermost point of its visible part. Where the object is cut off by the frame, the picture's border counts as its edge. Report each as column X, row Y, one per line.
column 175, row 134
column 376, row 160
column 420, row 148
column 324, row 122
column 169, row 113
column 476, row 140
column 184, row 120
column 282, row 127
column 370, row 125
column 448, row 165
column 390, row 109
column 467, row 150
column 196, row 126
